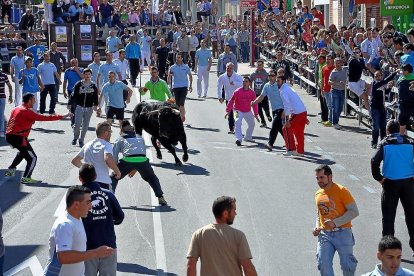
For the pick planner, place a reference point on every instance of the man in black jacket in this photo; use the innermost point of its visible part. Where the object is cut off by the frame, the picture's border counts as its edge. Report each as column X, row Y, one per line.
column 26, row 22
column 99, row 224
column 396, row 153
column 406, row 98
column 85, row 98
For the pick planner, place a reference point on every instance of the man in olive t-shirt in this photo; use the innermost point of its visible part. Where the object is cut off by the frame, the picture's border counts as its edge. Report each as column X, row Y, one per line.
column 224, row 250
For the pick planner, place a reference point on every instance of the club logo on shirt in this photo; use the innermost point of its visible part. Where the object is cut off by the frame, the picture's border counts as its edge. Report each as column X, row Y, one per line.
column 99, row 207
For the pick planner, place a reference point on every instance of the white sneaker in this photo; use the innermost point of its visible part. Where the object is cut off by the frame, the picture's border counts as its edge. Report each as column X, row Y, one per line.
column 288, row 153
column 337, row 127
column 295, row 153
column 249, row 140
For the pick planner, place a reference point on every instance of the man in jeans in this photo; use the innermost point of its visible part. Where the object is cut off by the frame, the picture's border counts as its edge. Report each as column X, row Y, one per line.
column 336, row 208
column 326, row 87
column 337, row 80
column 48, row 74
column 244, row 37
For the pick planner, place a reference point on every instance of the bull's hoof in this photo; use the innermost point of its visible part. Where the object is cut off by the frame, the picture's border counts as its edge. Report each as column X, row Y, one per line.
column 185, row 157
column 159, row 156
column 178, row 163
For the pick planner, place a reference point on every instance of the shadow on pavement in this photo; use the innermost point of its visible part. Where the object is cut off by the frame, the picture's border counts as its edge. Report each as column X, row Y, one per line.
column 10, row 191
column 139, row 269
column 356, row 130
column 16, row 254
column 196, row 99
column 152, row 209
column 190, row 151
column 314, row 158
column 203, row 128
column 186, row 168
column 40, row 129
column 311, row 135
column 46, row 185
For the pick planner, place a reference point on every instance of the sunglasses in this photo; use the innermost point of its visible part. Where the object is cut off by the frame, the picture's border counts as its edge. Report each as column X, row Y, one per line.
column 272, row 75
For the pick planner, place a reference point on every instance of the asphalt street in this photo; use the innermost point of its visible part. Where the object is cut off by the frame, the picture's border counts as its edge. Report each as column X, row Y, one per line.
column 275, row 194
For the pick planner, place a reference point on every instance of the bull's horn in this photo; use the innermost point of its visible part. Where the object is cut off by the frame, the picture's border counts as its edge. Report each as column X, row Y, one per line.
column 176, row 112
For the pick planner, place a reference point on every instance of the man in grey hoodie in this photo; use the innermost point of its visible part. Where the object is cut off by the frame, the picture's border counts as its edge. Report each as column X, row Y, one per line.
column 132, row 147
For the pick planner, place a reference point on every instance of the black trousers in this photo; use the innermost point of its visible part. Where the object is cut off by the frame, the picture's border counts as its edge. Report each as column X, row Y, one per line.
column 324, row 107
column 277, row 126
column 192, row 57
column 394, row 190
column 25, row 152
column 230, row 118
column 264, row 106
column 162, row 72
column 134, row 69
column 6, row 9
column 144, row 169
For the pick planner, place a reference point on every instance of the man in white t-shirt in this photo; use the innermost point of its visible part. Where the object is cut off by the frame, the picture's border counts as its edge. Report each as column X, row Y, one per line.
column 99, row 153
column 67, row 242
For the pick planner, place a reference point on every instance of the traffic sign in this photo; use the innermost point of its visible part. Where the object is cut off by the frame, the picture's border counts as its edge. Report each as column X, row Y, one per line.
column 250, row 4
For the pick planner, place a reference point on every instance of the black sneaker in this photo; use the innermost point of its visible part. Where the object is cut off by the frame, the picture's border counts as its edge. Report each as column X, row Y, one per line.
column 231, row 132
column 74, row 142
column 269, row 118
column 238, row 143
column 269, row 147
column 263, row 125
column 374, row 146
column 81, row 143
column 162, row 201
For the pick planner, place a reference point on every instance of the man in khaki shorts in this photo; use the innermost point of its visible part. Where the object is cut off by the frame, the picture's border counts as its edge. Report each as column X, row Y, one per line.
column 235, row 256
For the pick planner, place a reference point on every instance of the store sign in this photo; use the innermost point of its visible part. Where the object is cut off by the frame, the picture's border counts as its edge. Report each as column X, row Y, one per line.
column 250, row 4
column 397, row 7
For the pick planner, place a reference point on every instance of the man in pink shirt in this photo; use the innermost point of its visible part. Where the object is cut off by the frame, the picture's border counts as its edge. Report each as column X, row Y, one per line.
column 240, row 103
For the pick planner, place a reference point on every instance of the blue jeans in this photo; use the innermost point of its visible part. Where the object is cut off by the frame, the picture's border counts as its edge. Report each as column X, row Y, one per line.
column 379, row 124
column 245, row 51
column 341, row 241
column 106, row 20
column 2, row 120
column 329, row 101
column 338, row 99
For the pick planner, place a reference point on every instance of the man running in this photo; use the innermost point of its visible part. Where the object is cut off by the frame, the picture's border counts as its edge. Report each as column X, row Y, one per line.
column 85, row 98
column 18, row 129
column 203, row 62
column 158, row 88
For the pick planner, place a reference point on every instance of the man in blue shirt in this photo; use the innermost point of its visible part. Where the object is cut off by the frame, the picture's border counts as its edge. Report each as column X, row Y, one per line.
column 36, row 51
column 48, row 72
column 203, row 64
column 30, row 81
column 113, row 91
column 94, row 66
column 177, row 78
column 72, row 75
column 17, row 64
column 105, row 68
column 74, row 12
column 133, row 55
column 113, row 43
column 271, row 90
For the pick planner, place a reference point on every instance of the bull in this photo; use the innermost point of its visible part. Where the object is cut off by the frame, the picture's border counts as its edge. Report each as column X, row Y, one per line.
column 163, row 122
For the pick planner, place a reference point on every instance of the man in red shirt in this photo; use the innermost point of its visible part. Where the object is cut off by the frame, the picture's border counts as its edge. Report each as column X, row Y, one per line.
column 326, row 87
column 319, row 15
column 18, row 129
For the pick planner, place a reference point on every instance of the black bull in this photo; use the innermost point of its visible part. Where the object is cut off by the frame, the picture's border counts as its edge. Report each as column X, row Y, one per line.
column 163, row 122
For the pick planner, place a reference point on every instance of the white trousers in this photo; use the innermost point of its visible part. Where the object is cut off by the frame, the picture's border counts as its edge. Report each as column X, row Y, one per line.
column 202, row 75
column 249, row 118
column 17, row 92
column 145, row 55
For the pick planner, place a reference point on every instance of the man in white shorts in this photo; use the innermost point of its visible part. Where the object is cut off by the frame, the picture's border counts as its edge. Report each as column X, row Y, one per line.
column 355, row 83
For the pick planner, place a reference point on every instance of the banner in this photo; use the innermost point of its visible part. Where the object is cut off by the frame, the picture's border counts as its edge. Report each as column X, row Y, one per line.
column 321, row 2
column 155, row 4
column 397, row 7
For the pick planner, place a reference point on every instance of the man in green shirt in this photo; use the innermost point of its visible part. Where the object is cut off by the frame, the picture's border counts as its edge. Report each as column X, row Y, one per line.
column 158, row 88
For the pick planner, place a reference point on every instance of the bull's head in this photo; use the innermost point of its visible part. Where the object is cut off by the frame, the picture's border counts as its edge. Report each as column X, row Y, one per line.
column 170, row 123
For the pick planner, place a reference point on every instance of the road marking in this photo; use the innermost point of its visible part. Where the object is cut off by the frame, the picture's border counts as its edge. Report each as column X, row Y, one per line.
column 318, row 148
column 156, row 219
column 228, row 148
column 61, row 207
column 353, row 177
column 327, row 156
column 370, row 190
column 32, row 263
column 340, row 167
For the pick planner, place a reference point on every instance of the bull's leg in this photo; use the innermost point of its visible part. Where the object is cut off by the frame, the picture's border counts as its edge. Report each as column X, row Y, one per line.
column 183, row 142
column 171, row 149
column 154, row 143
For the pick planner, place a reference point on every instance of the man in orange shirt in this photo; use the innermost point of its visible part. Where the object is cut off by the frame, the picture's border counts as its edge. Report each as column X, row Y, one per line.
column 326, row 88
column 336, row 208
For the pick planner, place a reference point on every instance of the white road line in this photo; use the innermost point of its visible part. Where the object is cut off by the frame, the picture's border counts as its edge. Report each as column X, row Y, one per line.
column 228, row 148
column 327, row 156
column 353, row 177
column 61, row 207
column 370, row 190
column 340, row 167
column 156, row 219
column 318, row 148
column 32, row 263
